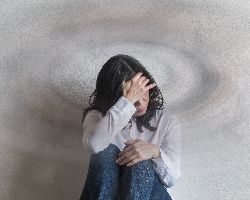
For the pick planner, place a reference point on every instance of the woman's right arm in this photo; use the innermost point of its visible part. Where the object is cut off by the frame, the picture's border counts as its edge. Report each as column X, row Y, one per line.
column 99, row 131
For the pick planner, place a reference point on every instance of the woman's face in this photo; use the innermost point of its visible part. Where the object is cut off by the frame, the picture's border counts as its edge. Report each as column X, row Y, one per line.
column 141, row 105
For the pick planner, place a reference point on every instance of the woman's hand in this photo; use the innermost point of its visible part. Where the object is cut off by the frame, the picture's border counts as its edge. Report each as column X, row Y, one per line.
column 137, row 150
column 135, row 88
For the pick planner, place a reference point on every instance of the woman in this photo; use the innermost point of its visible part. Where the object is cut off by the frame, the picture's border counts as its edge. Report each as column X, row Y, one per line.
column 134, row 142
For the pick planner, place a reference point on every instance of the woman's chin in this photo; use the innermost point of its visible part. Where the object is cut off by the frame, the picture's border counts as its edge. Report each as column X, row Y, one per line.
column 137, row 113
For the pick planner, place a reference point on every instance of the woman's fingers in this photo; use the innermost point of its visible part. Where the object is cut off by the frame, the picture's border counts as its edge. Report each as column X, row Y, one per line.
column 126, row 84
column 136, row 77
column 129, row 156
column 145, row 82
column 129, row 146
column 124, row 155
column 126, row 149
column 141, row 79
column 150, row 86
column 136, row 87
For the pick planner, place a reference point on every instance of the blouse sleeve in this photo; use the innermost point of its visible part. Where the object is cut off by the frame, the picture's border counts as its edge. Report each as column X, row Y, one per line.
column 99, row 131
column 168, row 165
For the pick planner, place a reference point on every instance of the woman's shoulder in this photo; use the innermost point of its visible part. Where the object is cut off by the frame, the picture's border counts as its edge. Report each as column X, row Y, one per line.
column 165, row 115
column 94, row 112
column 92, row 115
column 168, row 122
column 162, row 113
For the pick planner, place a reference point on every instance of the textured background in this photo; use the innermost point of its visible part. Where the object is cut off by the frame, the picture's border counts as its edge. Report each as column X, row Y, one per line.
column 51, row 52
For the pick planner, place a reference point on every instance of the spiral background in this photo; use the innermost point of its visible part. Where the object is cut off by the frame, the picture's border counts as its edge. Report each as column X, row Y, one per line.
column 51, row 52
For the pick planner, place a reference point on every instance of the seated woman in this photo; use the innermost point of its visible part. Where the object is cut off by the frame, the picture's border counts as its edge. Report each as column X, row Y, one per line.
column 135, row 143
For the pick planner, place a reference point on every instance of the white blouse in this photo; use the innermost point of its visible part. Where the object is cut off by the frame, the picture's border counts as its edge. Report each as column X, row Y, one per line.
column 114, row 128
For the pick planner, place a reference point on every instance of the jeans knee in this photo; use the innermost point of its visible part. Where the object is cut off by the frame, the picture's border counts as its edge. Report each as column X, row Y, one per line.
column 105, row 158
column 144, row 164
column 110, row 151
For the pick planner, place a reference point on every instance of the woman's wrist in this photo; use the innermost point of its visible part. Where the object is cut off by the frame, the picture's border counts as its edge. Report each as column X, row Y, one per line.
column 157, row 153
column 130, row 99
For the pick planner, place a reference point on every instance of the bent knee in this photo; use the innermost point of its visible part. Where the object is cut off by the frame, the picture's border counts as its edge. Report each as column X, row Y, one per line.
column 144, row 164
column 111, row 150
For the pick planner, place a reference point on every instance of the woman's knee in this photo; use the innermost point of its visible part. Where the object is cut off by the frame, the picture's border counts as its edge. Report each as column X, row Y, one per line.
column 143, row 164
column 143, row 167
column 105, row 159
column 109, row 152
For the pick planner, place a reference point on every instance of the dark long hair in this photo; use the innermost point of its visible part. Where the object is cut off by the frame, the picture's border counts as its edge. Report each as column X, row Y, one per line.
column 108, row 90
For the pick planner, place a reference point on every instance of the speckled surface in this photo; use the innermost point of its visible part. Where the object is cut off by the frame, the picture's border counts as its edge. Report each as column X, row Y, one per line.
column 51, row 52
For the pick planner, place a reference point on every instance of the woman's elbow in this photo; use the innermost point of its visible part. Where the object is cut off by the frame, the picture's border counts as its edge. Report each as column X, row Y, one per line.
column 95, row 146
column 93, row 149
column 91, row 146
column 172, row 181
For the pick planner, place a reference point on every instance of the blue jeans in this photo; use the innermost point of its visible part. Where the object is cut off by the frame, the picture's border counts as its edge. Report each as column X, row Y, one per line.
column 107, row 180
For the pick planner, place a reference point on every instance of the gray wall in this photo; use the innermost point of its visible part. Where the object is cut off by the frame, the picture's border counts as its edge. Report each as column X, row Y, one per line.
column 51, row 52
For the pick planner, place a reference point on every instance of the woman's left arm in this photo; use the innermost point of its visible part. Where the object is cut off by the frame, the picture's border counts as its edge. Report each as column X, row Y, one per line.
column 167, row 166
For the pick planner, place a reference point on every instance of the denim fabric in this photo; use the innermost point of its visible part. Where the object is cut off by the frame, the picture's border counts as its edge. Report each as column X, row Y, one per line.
column 106, row 180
